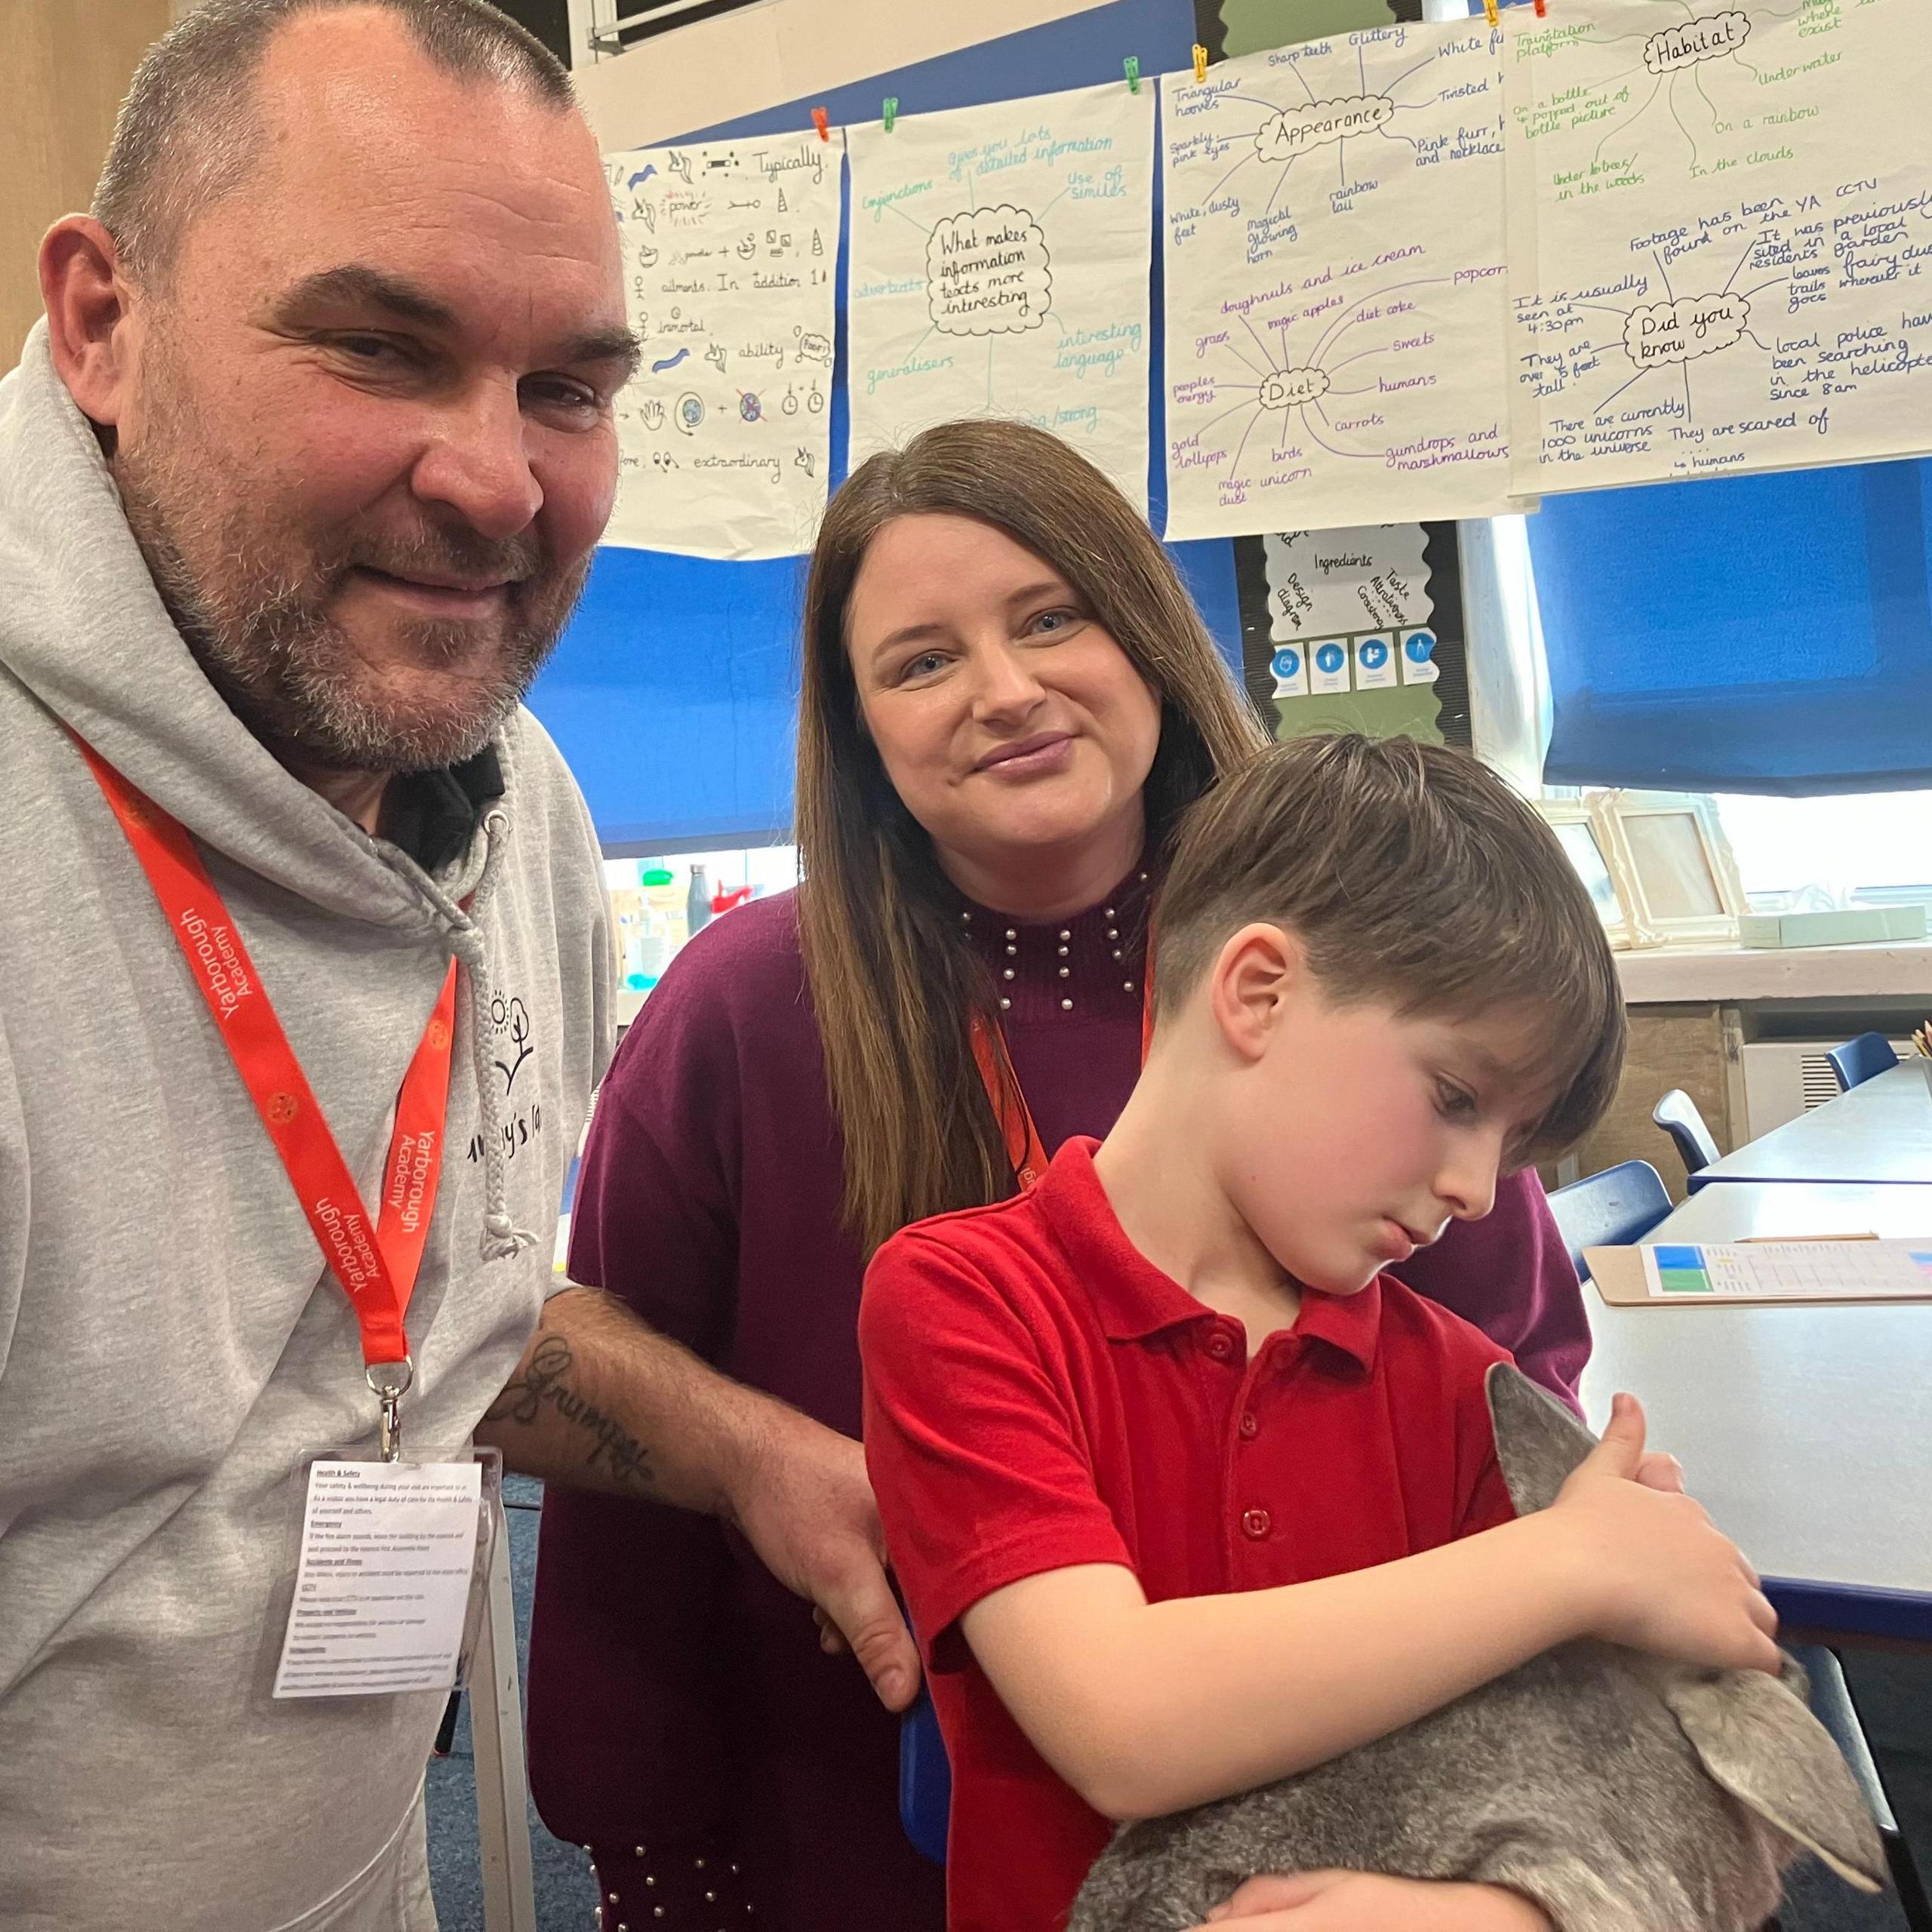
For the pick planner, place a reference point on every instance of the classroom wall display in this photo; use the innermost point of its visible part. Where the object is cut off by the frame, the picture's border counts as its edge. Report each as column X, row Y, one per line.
column 1353, row 640
column 1230, row 28
column 724, row 435
column 999, row 267
column 1337, row 293
column 1721, row 245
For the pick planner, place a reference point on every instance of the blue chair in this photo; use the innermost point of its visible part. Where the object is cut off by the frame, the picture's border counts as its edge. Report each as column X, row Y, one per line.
column 1831, row 1704
column 1677, row 1114
column 925, row 1780
column 1857, row 1060
column 1611, row 1209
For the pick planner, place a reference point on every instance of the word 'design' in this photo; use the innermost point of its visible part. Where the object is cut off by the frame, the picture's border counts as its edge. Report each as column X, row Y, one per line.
column 987, row 273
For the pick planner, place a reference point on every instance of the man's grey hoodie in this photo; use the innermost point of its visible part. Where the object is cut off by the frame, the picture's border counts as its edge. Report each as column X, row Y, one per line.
column 172, row 1353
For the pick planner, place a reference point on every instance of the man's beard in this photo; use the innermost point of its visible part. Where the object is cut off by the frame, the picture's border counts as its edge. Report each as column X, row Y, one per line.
column 251, row 599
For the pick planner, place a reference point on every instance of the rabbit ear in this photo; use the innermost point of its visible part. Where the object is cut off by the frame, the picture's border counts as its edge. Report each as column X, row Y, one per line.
column 1538, row 1441
column 1756, row 1738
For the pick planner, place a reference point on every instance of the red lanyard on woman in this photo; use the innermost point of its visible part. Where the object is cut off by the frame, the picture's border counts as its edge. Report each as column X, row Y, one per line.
column 376, row 1262
column 1024, row 1147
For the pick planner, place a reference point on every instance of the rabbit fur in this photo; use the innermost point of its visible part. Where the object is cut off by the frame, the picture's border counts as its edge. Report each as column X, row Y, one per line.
column 1618, row 1791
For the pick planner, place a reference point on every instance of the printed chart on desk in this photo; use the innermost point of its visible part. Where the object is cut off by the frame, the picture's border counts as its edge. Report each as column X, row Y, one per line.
column 1797, row 1271
column 724, row 435
column 1721, row 244
column 1337, row 295
column 999, row 267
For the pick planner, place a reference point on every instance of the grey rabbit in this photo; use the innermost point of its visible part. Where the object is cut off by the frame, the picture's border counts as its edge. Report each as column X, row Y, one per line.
column 1618, row 1791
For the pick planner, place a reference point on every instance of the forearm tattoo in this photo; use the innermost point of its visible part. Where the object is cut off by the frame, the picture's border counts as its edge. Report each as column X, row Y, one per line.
column 545, row 1381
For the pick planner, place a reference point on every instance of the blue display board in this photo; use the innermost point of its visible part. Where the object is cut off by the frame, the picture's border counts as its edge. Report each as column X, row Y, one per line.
column 673, row 693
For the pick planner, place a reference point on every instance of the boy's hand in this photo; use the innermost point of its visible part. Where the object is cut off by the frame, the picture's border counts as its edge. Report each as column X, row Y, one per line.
column 1366, row 1902
column 1661, row 1575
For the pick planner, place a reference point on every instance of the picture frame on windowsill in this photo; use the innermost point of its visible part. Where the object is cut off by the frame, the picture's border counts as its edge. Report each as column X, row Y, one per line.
column 1668, row 850
column 1598, row 865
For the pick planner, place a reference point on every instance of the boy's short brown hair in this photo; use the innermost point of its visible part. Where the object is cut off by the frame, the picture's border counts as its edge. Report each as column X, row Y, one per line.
column 1414, row 876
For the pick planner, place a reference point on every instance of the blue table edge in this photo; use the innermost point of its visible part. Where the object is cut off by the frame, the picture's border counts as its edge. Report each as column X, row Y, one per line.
column 1858, row 1610
column 1709, row 1177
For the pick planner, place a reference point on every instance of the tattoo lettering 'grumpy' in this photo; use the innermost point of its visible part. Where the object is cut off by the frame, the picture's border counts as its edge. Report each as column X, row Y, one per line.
column 545, row 1380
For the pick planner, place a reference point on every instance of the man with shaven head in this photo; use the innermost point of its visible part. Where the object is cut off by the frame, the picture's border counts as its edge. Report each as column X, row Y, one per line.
column 308, row 973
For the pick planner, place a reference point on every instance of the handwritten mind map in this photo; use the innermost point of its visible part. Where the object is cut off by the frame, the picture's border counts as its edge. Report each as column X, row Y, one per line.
column 724, row 434
column 1337, row 295
column 999, row 259
column 1721, row 237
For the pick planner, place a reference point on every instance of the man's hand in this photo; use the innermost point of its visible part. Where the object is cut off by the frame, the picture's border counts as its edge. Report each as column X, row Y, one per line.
column 799, row 1494
column 600, row 1399
column 1365, row 1902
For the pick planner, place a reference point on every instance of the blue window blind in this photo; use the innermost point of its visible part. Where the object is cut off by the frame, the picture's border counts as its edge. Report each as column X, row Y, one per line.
column 674, row 692
column 1750, row 634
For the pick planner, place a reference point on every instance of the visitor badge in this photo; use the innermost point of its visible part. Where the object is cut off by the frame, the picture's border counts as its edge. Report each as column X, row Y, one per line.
column 391, row 1576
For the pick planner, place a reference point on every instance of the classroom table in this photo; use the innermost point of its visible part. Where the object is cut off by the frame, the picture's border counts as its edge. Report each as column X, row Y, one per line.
column 1881, row 1130
column 1807, row 1432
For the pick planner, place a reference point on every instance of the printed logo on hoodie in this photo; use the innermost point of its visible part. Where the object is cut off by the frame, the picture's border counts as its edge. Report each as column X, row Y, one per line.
column 511, row 1049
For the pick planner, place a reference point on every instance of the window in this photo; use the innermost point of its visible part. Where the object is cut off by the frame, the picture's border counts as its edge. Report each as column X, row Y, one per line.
column 1874, row 847
column 652, row 901
column 616, row 25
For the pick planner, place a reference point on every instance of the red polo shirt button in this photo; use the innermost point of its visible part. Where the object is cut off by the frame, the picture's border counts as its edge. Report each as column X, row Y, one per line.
column 1219, row 1346
column 1250, row 1427
column 1255, row 1523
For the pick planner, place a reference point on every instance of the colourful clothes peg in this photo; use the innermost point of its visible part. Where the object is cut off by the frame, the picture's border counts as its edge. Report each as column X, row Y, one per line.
column 822, row 121
column 891, row 112
column 1199, row 63
column 1130, row 66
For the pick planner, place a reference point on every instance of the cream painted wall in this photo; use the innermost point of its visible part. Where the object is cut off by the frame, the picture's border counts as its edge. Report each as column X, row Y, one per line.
column 742, row 63
column 68, row 64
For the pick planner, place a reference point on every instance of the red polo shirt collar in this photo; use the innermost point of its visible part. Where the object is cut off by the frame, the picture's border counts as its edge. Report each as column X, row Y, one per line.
column 1134, row 1300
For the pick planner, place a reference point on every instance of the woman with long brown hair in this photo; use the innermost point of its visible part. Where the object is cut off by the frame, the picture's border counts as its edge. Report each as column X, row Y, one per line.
column 1008, row 700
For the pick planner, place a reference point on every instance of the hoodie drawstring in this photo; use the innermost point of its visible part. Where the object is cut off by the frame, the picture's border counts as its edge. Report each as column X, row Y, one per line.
column 502, row 1239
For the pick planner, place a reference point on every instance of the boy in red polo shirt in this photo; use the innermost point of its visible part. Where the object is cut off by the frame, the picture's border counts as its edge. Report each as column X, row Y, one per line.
column 1185, row 1494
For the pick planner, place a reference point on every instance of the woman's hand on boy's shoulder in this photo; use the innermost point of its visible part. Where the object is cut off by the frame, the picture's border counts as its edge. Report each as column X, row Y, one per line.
column 1367, row 1902
column 1654, row 1572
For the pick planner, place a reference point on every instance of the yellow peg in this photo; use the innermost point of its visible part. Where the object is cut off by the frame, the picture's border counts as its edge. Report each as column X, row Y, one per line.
column 1199, row 63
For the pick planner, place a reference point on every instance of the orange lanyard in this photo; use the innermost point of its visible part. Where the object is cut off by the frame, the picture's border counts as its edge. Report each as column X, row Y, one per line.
column 376, row 1262
column 1024, row 1147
